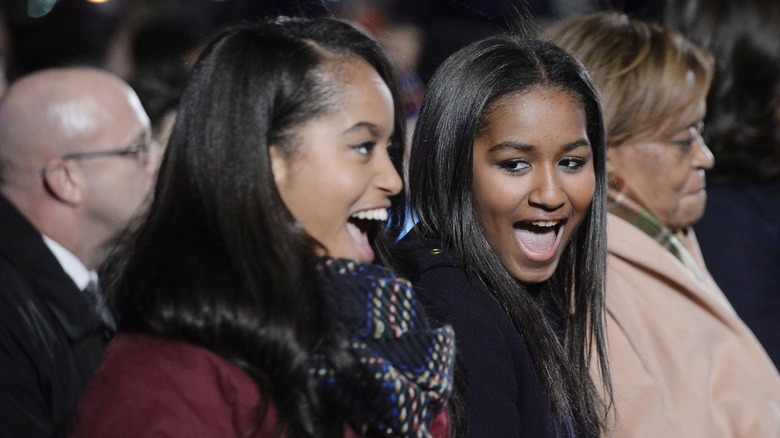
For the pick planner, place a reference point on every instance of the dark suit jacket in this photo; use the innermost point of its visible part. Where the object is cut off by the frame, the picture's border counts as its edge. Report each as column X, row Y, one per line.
column 504, row 396
column 51, row 338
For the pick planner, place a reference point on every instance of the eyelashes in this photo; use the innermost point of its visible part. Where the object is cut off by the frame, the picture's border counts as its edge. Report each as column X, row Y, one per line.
column 520, row 166
column 365, row 148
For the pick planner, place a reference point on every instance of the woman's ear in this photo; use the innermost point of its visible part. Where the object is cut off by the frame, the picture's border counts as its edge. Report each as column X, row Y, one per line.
column 64, row 181
column 279, row 165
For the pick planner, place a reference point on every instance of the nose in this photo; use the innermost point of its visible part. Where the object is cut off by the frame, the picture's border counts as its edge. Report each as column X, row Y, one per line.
column 703, row 158
column 546, row 192
column 387, row 178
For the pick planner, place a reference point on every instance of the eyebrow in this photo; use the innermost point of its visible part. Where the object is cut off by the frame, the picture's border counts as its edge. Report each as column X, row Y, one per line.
column 363, row 125
column 522, row 147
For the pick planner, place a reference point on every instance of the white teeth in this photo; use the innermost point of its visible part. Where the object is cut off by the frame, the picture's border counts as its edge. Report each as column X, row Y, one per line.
column 545, row 224
column 377, row 214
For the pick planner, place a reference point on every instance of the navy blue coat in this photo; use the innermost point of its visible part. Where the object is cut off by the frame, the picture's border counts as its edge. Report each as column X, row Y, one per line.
column 504, row 396
column 51, row 337
column 739, row 237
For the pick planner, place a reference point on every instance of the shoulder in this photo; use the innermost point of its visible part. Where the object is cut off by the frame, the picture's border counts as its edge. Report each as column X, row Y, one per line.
column 35, row 287
column 42, row 316
column 150, row 386
column 449, row 297
column 419, row 255
column 501, row 379
column 441, row 281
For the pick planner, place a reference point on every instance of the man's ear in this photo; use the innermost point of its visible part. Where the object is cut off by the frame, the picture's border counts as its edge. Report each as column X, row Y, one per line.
column 64, row 181
column 279, row 165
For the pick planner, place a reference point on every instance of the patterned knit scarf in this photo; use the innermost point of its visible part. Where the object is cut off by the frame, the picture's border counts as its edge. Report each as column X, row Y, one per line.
column 409, row 364
column 624, row 204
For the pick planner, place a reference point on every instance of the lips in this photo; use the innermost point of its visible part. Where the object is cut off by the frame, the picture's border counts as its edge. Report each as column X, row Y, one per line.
column 539, row 240
column 359, row 226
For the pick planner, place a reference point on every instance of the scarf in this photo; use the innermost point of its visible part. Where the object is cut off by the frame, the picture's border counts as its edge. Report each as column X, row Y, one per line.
column 624, row 204
column 408, row 364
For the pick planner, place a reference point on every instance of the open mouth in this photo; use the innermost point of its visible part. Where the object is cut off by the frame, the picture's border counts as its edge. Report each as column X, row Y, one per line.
column 366, row 220
column 363, row 226
column 539, row 236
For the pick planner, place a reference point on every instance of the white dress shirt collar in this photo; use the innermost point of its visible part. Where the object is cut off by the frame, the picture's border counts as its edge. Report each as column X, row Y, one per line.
column 70, row 263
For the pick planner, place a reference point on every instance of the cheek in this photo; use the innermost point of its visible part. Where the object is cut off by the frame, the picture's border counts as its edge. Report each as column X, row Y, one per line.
column 493, row 200
column 669, row 189
column 582, row 191
column 321, row 201
column 296, row 192
column 580, row 188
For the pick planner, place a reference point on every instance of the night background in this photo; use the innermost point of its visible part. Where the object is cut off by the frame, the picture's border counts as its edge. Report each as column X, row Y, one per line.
column 45, row 33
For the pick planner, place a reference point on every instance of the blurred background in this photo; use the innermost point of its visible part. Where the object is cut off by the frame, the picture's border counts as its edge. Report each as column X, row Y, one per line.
column 36, row 34
column 153, row 43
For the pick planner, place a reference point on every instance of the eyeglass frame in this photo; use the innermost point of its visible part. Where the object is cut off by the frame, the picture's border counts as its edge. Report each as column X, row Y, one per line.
column 696, row 132
column 139, row 147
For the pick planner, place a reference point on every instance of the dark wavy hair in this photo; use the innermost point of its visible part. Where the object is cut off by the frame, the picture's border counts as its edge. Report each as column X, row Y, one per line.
column 743, row 106
column 219, row 263
column 459, row 95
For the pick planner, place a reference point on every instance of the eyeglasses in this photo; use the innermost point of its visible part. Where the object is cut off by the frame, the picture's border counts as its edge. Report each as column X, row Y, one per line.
column 139, row 148
column 686, row 144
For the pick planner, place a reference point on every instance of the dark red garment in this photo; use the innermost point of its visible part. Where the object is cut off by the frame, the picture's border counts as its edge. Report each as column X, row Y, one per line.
column 153, row 387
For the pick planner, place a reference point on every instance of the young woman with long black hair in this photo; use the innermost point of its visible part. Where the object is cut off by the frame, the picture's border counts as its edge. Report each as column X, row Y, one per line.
column 507, row 177
column 249, row 304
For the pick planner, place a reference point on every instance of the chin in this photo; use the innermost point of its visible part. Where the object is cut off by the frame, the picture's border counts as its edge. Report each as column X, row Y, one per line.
column 685, row 222
column 534, row 274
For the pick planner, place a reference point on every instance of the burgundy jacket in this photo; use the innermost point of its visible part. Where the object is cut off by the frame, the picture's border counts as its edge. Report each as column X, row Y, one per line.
column 148, row 386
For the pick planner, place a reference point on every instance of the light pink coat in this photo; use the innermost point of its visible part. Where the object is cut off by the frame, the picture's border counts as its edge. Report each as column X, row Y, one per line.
column 683, row 363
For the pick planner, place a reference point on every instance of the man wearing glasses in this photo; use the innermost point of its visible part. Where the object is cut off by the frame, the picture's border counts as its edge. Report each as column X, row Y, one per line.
column 77, row 165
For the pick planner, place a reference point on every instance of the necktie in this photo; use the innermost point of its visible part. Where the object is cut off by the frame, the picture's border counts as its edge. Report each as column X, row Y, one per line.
column 98, row 303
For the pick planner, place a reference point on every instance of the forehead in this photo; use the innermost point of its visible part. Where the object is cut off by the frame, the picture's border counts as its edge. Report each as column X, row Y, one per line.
column 358, row 91
column 356, row 102
column 536, row 110
column 350, row 75
column 690, row 115
column 117, row 116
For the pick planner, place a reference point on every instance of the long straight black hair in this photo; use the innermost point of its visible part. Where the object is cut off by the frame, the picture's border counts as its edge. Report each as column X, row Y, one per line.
column 459, row 95
column 220, row 262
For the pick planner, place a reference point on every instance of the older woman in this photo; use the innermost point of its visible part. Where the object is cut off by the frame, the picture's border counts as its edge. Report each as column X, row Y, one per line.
column 743, row 130
column 683, row 363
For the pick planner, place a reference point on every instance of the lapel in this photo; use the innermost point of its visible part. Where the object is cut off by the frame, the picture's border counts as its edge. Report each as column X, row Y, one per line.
column 22, row 245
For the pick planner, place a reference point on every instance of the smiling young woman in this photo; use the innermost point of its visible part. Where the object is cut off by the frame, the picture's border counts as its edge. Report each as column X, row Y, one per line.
column 345, row 150
column 533, row 179
column 507, row 176
column 250, row 304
